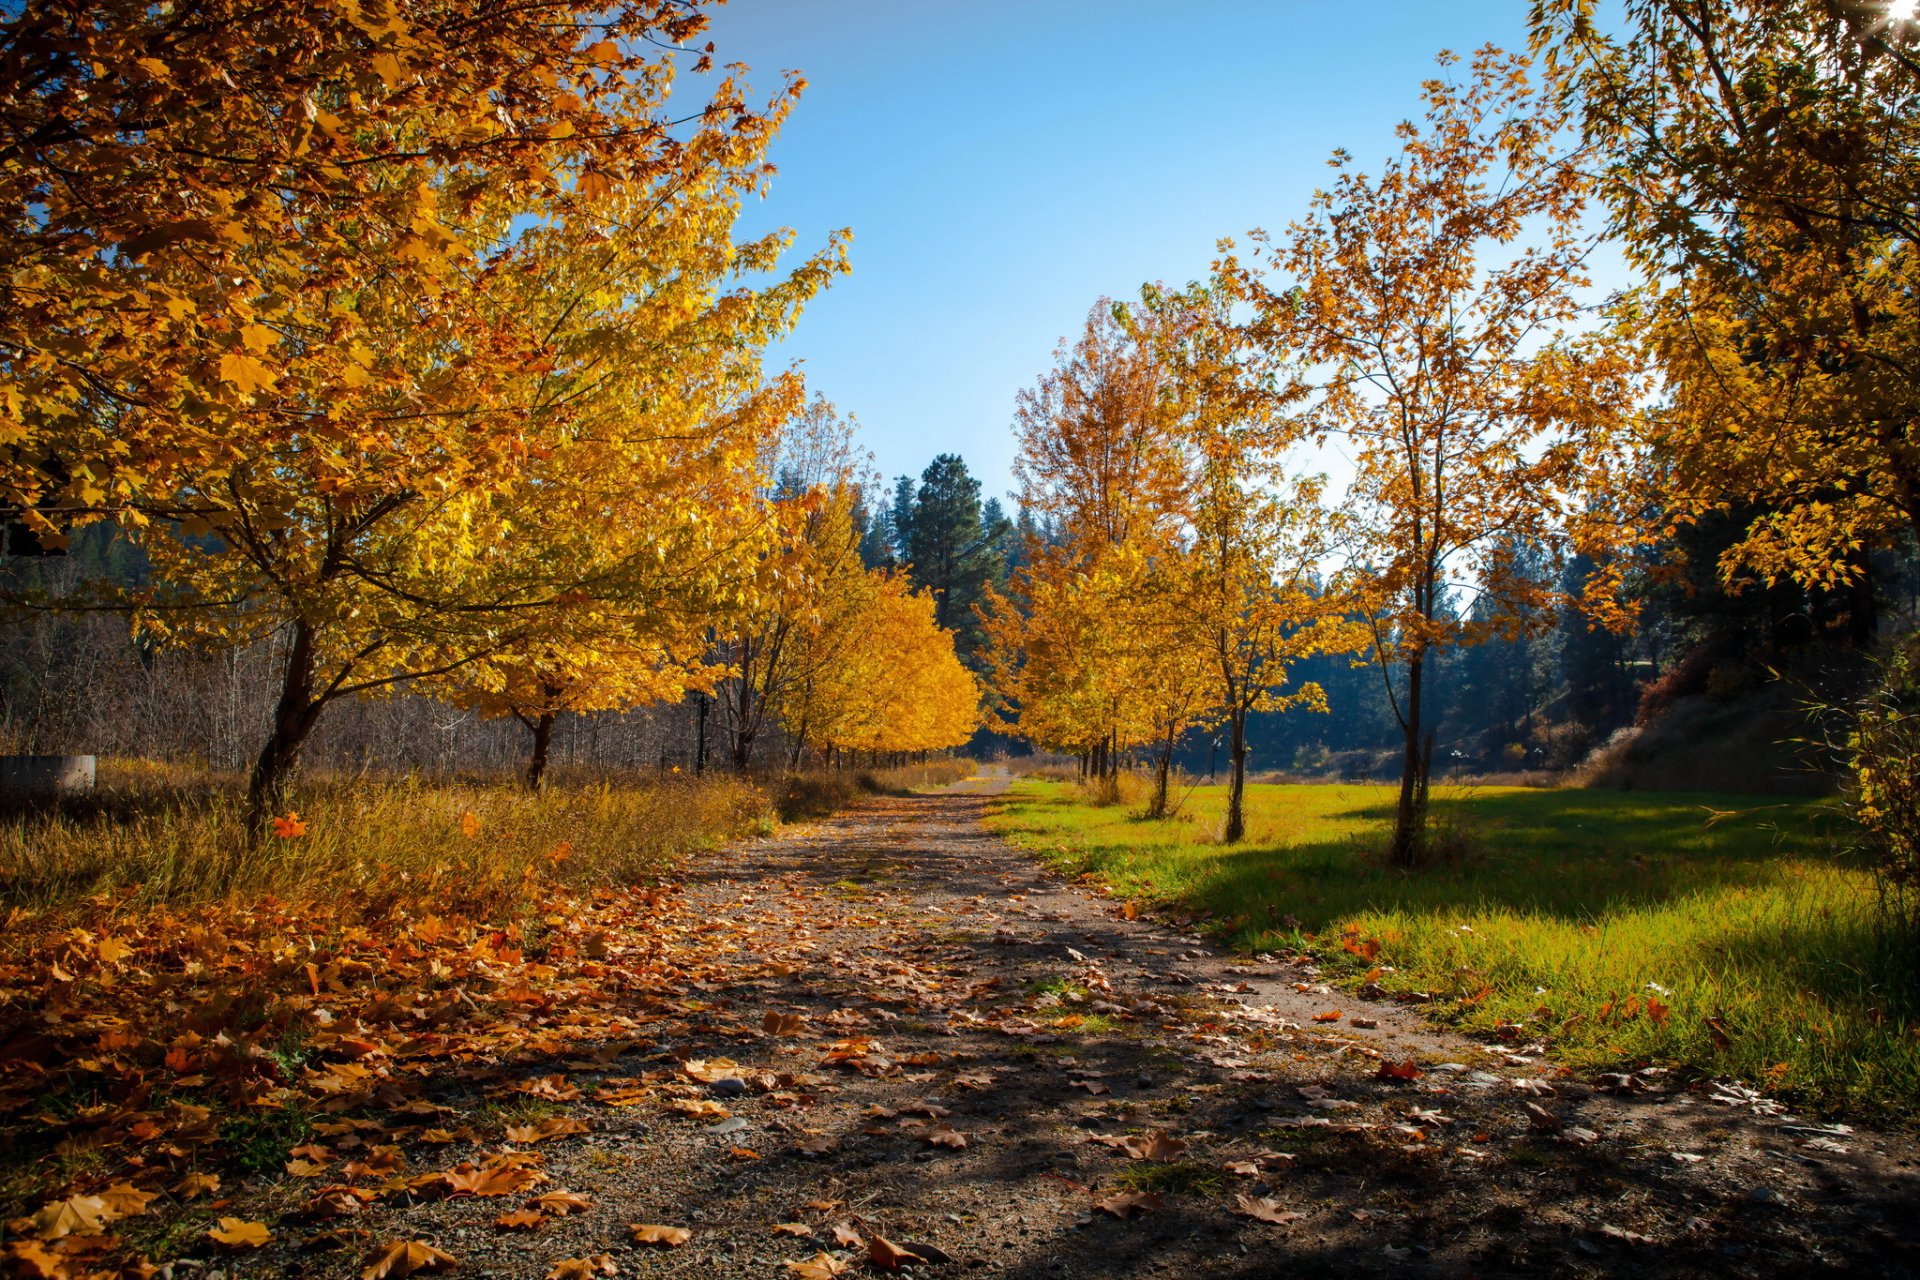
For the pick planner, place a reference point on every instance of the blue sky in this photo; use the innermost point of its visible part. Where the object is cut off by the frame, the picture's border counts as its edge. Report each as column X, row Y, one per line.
column 1002, row 165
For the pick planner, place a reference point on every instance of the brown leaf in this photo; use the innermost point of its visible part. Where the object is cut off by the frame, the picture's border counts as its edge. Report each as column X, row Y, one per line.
column 124, row 1200
column 1158, row 1145
column 406, row 1257
column 76, row 1215
column 847, row 1238
column 551, row 1127
column 600, row 1264
column 800, row 1230
column 1331, row 1015
column 885, row 1255
column 520, row 1220
column 1541, row 1119
column 1266, row 1210
column 783, row 1024
column 554, row 1088
column 946, row 1136
column 1408, row 1070
column 821, row 1266
column 665, row 1237
column 197, row 1184
column 237, row 1233
column 494, row 1180
column 1127, row 1204
column 561, row 1202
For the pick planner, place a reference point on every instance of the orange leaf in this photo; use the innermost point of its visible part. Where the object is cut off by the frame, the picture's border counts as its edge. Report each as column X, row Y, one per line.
column 406, row 1258
column 600, row 1264
column 1331, row 1015
column 665, row 1237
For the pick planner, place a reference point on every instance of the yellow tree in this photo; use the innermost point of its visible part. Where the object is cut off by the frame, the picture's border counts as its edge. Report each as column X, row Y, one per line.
column 809, row 581
column 429, row 455
column 1761, row 163
column 1250, row 598
column 195, row 198
column 1096, row 456
column 894, row 682
column 1444, row 303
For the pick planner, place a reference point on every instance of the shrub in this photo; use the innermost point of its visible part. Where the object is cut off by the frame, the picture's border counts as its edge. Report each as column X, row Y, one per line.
column 1883, row 792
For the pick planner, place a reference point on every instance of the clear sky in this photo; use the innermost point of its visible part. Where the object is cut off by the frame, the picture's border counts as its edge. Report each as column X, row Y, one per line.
column 1003, row 164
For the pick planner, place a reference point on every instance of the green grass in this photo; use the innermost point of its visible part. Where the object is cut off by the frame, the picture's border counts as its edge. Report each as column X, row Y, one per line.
column 1564, row 912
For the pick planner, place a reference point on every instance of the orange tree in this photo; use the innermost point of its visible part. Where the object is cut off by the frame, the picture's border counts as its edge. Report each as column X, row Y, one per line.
column 1442, row 304
column 336, row 308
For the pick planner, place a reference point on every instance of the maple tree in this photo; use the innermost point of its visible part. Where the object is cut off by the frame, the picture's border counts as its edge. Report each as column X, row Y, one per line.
column 1760, row 164
column 1455, row 364
column 368, row 380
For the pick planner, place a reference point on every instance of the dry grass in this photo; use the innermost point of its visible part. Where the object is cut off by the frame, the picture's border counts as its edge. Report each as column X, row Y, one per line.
column 162, row 834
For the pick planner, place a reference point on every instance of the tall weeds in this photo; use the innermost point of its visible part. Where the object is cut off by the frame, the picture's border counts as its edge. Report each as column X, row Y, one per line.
column 157, row 836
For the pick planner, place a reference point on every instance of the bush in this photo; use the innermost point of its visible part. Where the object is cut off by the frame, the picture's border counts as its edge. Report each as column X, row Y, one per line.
column 1883, row 792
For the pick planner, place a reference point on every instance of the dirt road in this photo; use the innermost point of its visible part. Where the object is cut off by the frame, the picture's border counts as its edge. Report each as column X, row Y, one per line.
column 909, row 1031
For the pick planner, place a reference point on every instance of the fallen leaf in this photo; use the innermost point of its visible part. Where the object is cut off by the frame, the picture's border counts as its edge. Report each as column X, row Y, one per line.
column 847, row 1238
column 551, row 1127
column 554, row 1088
column 783, row 1024
column 821, row 1266
column 197, row 1184
column 124, row 1200
column 237, row 1233
column 1157, row 1145
column 600, row 1264
column 561, row 1202
column 76, row 1215
column 1408, row 1070
column 1127, row 1204
column 799, row 1230
column 1331, row 1015
column 885, row 1255
column 520, row 1220
column 1266, row 1210
column 665, row 1237
column 1541, row 1119
column 946, row 1136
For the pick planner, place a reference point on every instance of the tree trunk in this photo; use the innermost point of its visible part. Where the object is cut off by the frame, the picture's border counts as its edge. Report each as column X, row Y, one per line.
column 1236, row 826
column 1410, row 819
column 293, row 721
column 700, row 734
column 542, row 740
column 1158, row 808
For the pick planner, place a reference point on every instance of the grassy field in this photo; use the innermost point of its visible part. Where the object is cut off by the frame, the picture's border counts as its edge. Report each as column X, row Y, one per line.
column 1715, row 932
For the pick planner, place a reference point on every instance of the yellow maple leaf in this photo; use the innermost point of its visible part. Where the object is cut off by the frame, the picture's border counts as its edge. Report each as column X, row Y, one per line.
column 246, row 372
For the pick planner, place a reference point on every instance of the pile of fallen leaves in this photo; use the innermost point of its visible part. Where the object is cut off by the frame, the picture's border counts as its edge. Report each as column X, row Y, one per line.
column 160, row 1052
